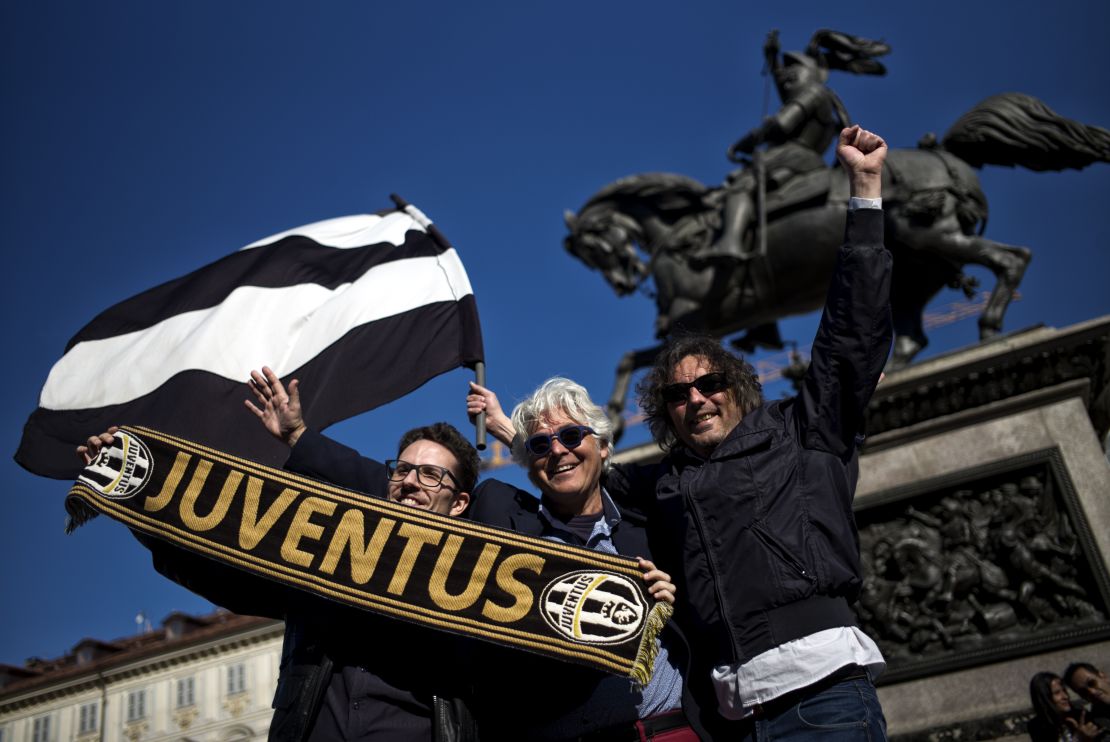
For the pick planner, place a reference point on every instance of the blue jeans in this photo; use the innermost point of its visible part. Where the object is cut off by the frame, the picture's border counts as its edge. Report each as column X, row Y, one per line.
column 848, row 711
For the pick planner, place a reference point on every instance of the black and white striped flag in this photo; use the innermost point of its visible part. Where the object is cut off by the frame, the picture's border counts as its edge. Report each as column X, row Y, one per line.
column 362, row 309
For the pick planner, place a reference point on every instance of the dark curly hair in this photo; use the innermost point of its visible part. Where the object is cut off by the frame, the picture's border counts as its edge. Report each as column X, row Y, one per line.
column 450, row 438
column 745, row 387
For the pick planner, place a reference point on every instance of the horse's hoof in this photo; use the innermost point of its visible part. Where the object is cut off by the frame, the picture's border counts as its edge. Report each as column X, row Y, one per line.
column 905, row 348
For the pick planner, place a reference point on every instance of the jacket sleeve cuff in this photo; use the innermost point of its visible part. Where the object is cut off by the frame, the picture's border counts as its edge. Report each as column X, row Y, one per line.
column 309, row 441
column 863, row 228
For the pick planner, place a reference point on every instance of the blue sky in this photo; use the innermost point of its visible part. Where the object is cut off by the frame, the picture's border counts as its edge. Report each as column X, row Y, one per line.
column 142, row 140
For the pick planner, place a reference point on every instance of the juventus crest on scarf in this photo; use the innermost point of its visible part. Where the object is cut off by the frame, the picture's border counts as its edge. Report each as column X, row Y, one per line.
column 444, row 573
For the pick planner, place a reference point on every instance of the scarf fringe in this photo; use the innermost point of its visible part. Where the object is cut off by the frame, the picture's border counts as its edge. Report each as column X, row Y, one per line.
column 78, row 513
column 644, row 666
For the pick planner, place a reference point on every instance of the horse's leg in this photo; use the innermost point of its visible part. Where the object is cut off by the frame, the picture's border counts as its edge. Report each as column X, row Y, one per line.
column 1014, row 260
column 909, row 334
column 629, row 362
column 1006, row 262
column 917, row 278
column 684, row 296
column 762, row 336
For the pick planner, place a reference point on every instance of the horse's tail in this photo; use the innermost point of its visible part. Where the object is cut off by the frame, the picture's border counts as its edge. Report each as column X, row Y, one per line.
column 1017, row 129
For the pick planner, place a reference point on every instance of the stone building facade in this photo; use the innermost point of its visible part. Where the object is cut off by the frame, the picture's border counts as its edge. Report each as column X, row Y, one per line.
column 205, row 678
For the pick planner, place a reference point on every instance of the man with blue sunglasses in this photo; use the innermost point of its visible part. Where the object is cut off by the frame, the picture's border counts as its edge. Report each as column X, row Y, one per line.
column 514, row 695
column 751, row 507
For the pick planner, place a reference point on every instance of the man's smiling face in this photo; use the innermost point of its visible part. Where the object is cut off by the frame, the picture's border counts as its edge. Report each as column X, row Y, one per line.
column 701, row 422
column 444, row 499
column 569, row 478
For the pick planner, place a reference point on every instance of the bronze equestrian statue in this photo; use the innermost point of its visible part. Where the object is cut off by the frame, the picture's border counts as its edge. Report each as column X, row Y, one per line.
column 716, row 271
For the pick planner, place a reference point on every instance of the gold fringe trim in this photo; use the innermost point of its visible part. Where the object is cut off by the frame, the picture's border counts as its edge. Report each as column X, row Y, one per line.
column 644, row 666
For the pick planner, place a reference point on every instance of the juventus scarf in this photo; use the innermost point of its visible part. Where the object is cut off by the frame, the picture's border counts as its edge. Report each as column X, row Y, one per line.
column 444, row 573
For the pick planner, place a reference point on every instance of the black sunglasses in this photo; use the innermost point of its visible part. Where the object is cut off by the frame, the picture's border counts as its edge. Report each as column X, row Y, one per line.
column 707, row 384
column 429, row 475
column 570, row 436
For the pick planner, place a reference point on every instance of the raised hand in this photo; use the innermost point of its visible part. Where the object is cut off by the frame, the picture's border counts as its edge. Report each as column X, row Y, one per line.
column 278, row 410
column 659, row 582
column 92, row 446
column 481, row 399
column 862, row 154
column 1085, row 731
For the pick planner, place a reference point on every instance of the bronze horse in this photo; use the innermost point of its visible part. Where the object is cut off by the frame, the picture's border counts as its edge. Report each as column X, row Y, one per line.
column 935, row 214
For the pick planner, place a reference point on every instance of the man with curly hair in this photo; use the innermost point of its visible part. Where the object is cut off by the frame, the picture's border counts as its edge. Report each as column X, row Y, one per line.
column 751, row 508
column 755, row 498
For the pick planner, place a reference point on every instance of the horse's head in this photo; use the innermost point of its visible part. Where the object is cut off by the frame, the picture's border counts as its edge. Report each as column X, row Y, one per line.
column 605, row 240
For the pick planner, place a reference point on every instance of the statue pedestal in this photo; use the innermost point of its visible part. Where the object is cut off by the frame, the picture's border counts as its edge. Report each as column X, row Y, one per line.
column 984, row 513
column 983, row 507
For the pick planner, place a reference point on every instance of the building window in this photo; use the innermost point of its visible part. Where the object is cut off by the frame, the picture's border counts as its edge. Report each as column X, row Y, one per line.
column 136, row 705
column 40, row 729
column 236, row 679
column 87, row 717
column 185, row 694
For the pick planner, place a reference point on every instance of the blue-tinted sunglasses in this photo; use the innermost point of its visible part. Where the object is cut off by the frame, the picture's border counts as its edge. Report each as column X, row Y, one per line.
column 570, row 436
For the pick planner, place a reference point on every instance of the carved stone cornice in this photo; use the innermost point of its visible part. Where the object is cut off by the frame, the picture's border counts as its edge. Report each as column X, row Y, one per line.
column 993, row 378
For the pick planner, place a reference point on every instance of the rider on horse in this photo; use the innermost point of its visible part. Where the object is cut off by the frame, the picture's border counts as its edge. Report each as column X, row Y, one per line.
column 798, row 134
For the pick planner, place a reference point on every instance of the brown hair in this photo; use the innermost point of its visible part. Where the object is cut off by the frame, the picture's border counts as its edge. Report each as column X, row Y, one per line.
column 447, row 436
column 743, row 382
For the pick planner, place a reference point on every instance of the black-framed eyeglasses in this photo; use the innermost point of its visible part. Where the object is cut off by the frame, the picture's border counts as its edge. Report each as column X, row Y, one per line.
column 706, row 384
column 570, row 436
column 429, row 475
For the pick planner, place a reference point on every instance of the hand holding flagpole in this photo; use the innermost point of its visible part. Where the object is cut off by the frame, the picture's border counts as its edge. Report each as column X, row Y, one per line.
column 480, row 418
column 482, row 404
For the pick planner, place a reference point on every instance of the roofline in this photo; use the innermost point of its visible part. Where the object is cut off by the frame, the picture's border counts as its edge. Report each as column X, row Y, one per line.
column 44, row 687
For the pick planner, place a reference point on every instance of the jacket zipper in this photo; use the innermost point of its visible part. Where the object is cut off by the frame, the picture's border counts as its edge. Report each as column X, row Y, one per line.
column 438, row 722
column 781, row 552
column 713, row 571
column 323, row 675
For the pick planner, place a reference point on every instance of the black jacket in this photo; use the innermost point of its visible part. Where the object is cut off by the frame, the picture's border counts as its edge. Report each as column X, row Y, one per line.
column 516, row 695
column 317, row 630
column 763, row 528
column 540, row 698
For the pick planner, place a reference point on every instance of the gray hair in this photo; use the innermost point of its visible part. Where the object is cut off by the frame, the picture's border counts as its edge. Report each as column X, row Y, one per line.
column 559, row 395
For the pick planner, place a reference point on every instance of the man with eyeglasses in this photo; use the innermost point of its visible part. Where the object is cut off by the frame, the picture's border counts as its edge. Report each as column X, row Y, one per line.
column 347, row 674
column 375, row 678
column 518, row 695
column 751, row 508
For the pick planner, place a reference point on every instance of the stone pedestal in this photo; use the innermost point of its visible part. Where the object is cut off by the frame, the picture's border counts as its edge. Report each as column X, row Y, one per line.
column 984, row 513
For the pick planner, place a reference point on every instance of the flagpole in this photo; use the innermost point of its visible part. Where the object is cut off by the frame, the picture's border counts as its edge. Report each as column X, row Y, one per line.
column 480, row 419
column 479, row 366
